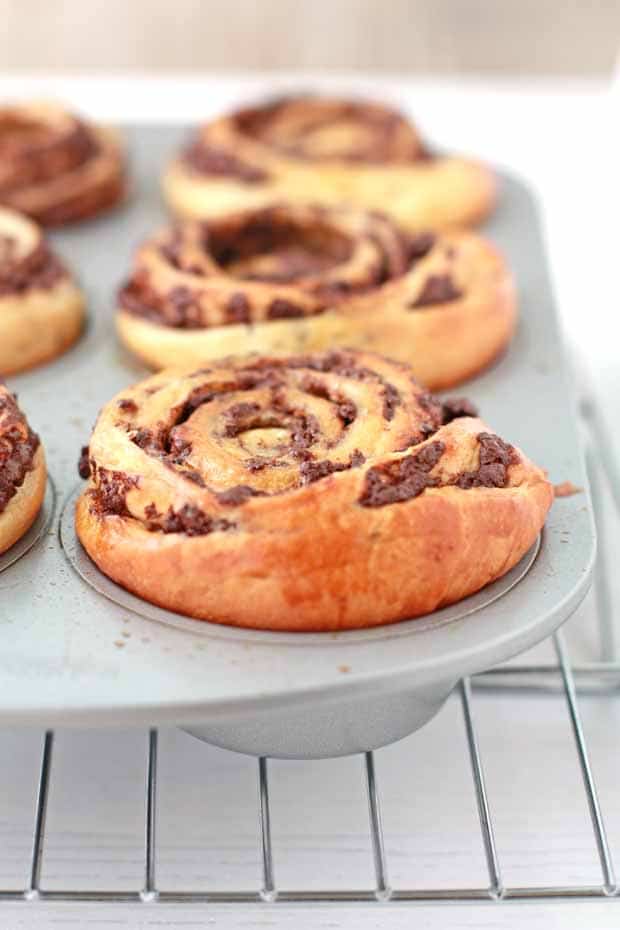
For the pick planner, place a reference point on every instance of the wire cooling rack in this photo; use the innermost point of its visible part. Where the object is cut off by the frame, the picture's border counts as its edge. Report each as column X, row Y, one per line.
column 562, row 676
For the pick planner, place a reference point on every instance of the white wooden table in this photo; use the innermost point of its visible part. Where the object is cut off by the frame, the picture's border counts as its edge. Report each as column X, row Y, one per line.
column 559, row 138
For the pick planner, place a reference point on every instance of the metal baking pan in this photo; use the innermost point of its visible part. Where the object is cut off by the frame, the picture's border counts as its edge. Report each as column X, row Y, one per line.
column 74, row 655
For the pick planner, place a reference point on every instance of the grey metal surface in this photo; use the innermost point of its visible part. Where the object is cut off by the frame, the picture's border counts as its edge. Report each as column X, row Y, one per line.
column 67, row 655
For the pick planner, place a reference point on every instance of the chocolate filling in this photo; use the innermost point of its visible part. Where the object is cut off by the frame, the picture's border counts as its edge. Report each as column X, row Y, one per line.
column 37, row 152
column 384, row 484
column 347, row 411
column 210, row 160
column 241, row 417
column 190, row 520
column 314, row 471
column 403, row 479
column 419, row 246
column 170, row 448
column 341, row 364
column 40, row 269
column 127, row 405
column 185, row 307
column 84, row 463
column 269, row 245
column 495, row 458
column 455, row 407
column 238, row 308
column 18, row 445
column 178, row 308
column 237, row 495
column 280, row 309
column 438, row 289
column 110, row 495
column 408, row 477
column 299, row 128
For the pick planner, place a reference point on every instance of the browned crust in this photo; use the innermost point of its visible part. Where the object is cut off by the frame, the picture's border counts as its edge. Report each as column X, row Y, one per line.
column 316, row 557
column 322, row 569
column 41, row 306
column 21, row 511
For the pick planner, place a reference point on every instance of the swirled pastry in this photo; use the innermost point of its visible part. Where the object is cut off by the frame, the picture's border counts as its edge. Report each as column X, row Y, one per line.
column 55, row 167
column 22, row 472
column 311, row 149
column 319, row 492
column 298, row 278
column 41, row 306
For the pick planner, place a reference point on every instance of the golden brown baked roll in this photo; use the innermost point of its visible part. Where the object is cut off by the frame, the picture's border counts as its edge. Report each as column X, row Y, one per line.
column 55, row 167
column 311, row 149
column 22, row 472
column 297, row 278
column 41, row 306
column 320, row 492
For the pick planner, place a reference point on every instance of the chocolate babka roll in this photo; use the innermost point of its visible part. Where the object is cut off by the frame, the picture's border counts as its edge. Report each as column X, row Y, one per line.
column 22, row 472
column 320, row 492
column 330, row 151
column 298, row 278
column 41, row 306
column 55, row 167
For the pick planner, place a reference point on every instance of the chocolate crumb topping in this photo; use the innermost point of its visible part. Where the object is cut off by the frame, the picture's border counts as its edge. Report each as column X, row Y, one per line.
column 455, row 407
column 240, row 417
column 127, row 405
column 256, row 463
column 178, row 447
column 280, row 309
column 190, row 520
column 37, row 157
column 402, row 479
column 185, row 307
column 315, row 129
column 438, row 289
column 420, row 245
column 109, row 497
column 179, row 308
column 342, row 364
column 170, row 448
column 150, row 440
column 238, row 308
column 391, row 400
column 84, row 463
column 18, row 445
column 347, row 411
column 237, row 495
column 314, row 471
column 495, row 458
column 193, row 476
column 210, row 160
column 304, row 248
column 41, row 269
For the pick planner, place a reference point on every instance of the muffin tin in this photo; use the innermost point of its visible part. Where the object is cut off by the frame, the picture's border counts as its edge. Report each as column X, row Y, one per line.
column 70, row 655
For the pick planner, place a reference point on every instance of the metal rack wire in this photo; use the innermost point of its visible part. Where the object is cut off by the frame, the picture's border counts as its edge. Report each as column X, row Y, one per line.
column 562, row 676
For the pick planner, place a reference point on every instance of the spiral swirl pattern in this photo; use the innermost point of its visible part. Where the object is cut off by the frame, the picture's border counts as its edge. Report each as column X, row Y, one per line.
column 302, row 483
column 310, row 149
column 298, row 278
column 57, row 168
